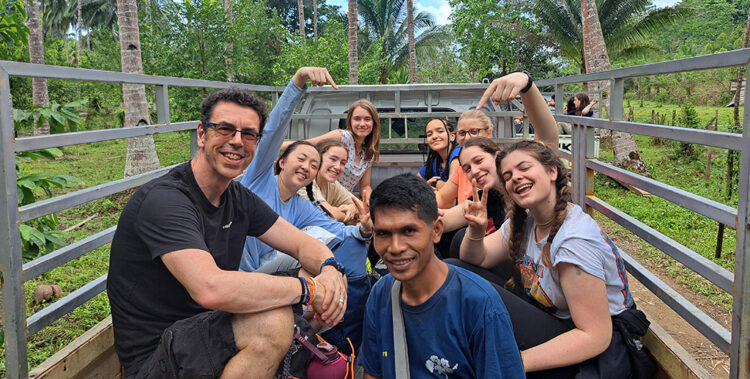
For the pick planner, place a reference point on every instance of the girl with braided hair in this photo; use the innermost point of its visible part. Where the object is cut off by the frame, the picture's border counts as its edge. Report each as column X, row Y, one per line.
column 563, row 280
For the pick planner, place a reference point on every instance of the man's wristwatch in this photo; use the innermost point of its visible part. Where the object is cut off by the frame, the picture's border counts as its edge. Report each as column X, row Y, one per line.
column 530, row 82
column 333, row 263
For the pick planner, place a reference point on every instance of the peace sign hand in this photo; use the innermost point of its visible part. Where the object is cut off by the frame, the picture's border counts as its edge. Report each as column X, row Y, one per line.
column 363, row 207
column 475, row 212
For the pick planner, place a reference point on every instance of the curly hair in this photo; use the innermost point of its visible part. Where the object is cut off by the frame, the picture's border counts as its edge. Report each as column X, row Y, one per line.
column 517, row 214
column 238, row 96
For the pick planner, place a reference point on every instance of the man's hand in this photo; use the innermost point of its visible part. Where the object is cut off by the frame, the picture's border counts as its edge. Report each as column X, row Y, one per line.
column 475, row 212
column 505, row 88
column 363, row 207
column 318, row 76
column 330, row 299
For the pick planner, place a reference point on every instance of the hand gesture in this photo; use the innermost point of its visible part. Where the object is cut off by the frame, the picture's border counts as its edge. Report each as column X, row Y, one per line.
column 318, row 76
column 594, row 101
column 363, row 207
column 329, row 303
column 433, row 181
column 475, row 212
column 505, row 88
column 349, row 211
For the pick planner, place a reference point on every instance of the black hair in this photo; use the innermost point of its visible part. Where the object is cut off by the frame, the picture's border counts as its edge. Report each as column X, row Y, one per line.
column 238, row 96
column 406, row 192
column 434, row 158
column 309, row 187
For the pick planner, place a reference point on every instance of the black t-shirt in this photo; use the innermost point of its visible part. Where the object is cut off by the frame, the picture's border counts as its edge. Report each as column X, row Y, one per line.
column 167, row 214
column 495, row 211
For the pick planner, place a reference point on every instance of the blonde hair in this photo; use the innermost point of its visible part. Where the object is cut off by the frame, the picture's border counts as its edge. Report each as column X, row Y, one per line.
column 478, row 115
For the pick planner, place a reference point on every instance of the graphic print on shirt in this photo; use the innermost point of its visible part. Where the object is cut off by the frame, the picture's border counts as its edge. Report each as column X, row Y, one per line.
column 627, row 296
column 440, row 366
column 531, row 275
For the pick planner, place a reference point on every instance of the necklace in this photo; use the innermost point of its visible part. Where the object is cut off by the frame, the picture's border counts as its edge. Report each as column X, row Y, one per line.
column 544, row 224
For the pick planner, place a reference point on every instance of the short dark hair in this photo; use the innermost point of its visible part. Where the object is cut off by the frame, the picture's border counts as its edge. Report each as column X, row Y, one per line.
column 407, row 192
column 238, row 96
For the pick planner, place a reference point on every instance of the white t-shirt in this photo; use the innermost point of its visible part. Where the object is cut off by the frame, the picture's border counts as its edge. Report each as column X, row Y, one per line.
column 581, row 242
column 353, row 171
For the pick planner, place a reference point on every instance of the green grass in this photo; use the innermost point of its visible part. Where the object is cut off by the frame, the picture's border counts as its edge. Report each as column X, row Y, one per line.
column 94, row 164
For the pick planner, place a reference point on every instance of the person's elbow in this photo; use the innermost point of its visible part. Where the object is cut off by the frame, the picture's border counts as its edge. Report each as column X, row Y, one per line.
column 210, row 294
column 600, row 338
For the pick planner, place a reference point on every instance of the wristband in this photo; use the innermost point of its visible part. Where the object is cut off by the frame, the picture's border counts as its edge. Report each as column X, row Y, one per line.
column 333, row 263
column 529, row 83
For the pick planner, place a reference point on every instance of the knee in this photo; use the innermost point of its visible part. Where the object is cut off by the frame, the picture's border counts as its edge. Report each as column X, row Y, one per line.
column 272, row 329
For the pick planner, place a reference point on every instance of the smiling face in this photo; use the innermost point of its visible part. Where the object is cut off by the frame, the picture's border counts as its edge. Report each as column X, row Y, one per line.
column 467, row 126
column 480, row 166
column 361, row 122
column 438, row 137
column 334, row 163
column 528, row 182
column 227, row 157
column 299, row 167
column 405, row 243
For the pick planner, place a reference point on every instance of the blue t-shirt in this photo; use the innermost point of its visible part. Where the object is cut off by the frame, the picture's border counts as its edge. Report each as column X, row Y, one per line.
column 462, row 331
column 437, row 170
column 259, row 178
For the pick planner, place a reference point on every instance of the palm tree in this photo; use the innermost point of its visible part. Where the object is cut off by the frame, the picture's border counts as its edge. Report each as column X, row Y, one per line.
column 301, row 12
column 229, row 45
column 384, row 21
column 412, row 48
column 353, row 58
column 315, row 20
column 141, row 156
column 39, row 93
column 596, row 59
column 625, row 25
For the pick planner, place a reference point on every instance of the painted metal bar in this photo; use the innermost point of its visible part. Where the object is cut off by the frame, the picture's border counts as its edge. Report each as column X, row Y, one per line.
column 702, row 266
column 739, row 366
column 162, row 104
column 616, row 97
column 705, row 62
column 11, row 261
column 579, row 166
column 706, row 207
column 77, row 138
column 383, row 115
column 559, row 99
column 715, row 332
column 60, row 308
column 696, row 136
column 31, row 70
column 66, row 254
column 70, row 200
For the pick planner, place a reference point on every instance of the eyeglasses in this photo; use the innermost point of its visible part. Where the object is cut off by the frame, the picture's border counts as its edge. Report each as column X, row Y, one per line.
column 226, row 130
column 473, row 132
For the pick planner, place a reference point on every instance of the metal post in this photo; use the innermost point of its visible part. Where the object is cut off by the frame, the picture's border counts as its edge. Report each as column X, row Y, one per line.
column 616, row 100
column 162, row 104
column 559, row 99
column 579, row 165
column 739, row 367
column 11, row 261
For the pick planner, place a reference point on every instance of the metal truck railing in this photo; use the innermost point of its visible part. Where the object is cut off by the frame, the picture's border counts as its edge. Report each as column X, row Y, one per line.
column 17, row 326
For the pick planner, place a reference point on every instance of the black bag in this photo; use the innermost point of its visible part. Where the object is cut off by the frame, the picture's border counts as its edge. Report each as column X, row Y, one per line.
column 625, row 357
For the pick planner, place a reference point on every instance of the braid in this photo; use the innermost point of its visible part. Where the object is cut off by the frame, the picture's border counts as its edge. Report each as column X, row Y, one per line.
column 561, row 211
column 517, row 216
column 311, row 196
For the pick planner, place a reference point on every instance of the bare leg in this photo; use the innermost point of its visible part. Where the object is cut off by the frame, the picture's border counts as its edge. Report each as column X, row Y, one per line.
column 263, row 340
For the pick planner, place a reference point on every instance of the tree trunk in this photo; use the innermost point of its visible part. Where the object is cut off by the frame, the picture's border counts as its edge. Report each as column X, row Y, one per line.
column 229, row 45
column 596, row 59
column 141, row 156
column 412, row 48
column 80, row 26
column 39, row 94
column 301, row 13
column 315, row 20
column 353, row 57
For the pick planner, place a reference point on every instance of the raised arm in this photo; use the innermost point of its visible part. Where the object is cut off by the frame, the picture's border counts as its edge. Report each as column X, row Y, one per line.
column 508, row 87
column 278, row 121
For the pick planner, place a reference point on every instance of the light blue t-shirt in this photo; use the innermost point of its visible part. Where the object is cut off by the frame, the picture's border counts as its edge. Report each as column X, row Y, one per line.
column 259, row 178
column 462, row 331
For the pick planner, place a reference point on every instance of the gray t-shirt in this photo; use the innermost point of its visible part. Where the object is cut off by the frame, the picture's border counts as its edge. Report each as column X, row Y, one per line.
column 581, row 242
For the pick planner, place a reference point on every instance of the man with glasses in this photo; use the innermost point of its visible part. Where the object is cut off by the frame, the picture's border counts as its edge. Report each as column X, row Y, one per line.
column 179, row 306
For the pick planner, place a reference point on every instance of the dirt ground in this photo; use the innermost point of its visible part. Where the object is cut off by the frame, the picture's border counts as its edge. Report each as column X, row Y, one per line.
column 705, row 352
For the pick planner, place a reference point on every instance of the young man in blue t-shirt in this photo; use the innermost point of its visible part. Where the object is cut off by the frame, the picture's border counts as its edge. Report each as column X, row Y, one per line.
column 456, row 325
